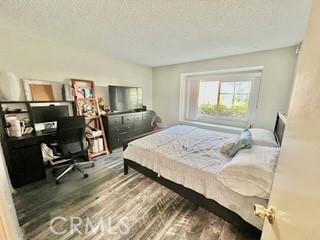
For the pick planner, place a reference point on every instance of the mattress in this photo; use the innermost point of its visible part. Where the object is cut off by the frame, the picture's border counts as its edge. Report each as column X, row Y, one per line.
column 190, row 156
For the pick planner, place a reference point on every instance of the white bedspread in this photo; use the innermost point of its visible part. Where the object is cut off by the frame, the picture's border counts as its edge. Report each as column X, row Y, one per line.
column 190, row 156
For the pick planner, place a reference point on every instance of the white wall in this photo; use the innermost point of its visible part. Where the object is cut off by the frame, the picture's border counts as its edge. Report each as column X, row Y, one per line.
column 276, row 84
column 40, row 59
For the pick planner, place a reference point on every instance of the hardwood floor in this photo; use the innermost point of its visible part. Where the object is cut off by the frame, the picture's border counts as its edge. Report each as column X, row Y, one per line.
column 109, row 205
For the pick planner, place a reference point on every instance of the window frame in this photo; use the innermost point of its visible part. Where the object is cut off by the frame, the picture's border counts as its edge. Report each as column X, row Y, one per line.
column 188, row 93
column 232, row 119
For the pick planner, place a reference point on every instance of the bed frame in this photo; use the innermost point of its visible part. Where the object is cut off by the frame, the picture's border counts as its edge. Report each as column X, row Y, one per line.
column 197, row 198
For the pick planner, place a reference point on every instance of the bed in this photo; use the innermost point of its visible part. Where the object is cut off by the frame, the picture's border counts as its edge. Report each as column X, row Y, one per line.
column 168, row 157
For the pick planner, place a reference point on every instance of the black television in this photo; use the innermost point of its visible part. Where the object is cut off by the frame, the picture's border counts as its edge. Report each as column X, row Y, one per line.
column 125, row 98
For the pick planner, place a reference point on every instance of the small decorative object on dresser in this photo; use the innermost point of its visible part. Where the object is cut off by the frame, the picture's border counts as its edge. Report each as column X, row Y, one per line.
column 104, row 109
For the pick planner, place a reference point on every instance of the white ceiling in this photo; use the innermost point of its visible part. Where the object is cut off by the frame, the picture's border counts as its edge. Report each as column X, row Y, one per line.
column 161, row 32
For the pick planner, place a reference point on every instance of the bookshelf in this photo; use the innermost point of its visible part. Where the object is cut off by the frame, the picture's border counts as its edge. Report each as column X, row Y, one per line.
column 86, row 104
column 22, row 111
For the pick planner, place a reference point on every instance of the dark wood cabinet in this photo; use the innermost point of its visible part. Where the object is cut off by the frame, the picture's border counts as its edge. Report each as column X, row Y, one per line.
column 120, row 127
column 25, row 162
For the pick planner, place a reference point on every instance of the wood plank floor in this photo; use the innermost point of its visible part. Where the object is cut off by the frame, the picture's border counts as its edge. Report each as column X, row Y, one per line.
column 109, row 205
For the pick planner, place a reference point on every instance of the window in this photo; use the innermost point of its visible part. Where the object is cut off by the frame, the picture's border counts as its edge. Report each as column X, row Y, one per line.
column 227, row 97
column 224, row 99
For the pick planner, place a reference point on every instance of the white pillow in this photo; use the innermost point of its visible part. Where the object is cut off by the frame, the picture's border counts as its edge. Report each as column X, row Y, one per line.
column 263, row 137
column 251, row 171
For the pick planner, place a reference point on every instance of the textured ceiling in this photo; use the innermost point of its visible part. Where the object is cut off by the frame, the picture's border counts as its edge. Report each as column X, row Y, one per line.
column 161, row 32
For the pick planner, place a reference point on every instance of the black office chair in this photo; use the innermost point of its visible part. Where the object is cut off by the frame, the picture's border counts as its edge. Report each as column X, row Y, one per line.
column 71, row 144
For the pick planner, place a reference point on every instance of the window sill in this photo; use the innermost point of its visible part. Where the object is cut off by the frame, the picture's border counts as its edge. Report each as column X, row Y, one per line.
column 232, row 122
column 216, row 127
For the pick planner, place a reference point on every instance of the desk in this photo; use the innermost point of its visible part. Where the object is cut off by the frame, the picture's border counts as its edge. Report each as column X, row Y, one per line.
column 24, row 158
column 23, row 154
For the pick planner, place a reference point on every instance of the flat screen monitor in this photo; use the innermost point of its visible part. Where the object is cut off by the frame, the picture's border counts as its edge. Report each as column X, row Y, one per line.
column 49, row 113
column 125, row 98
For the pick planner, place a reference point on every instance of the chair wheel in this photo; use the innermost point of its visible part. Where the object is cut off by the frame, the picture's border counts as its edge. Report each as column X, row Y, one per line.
column 57, row 182
column 85, row 175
